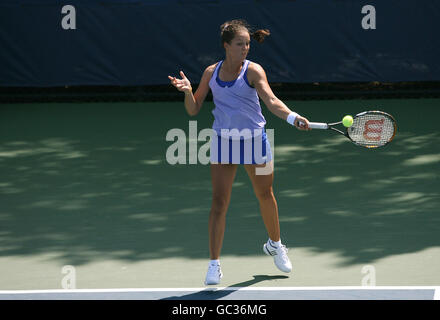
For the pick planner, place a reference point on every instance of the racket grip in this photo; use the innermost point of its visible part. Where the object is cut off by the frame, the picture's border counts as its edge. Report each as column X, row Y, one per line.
column 318, row 125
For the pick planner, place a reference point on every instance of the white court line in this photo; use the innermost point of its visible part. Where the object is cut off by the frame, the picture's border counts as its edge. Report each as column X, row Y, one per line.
column 436, row 289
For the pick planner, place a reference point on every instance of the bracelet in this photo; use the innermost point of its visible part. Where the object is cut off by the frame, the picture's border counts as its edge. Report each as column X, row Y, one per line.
column 291, row 118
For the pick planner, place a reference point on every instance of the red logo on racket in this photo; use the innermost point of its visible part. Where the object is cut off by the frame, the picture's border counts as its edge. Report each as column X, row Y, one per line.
column 373, row 129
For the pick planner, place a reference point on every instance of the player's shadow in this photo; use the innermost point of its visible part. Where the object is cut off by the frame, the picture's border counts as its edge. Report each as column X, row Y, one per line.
column 213, row 294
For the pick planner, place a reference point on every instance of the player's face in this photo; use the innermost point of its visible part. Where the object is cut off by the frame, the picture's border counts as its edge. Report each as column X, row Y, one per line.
column 239, row 46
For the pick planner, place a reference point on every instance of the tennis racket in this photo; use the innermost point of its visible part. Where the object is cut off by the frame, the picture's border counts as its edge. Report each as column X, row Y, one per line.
column 370, row 129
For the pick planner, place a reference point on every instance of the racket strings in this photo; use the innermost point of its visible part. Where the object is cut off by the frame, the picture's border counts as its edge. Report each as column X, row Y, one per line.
column 372, row 130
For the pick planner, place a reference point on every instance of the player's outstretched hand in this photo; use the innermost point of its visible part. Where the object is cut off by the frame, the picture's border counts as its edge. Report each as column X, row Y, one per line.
column 183, row 85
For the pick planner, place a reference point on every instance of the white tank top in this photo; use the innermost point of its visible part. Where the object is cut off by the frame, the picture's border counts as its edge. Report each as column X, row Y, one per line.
column 237, row 105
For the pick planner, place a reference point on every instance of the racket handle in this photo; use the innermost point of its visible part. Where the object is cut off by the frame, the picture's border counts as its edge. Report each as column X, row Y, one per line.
column 318, row 125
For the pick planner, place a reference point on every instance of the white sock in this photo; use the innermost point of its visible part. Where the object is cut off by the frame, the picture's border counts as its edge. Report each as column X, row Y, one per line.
column 276, row 244
column 214, row 262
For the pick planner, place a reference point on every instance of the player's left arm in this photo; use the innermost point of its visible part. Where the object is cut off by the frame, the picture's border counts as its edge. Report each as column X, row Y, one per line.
column 258, row 79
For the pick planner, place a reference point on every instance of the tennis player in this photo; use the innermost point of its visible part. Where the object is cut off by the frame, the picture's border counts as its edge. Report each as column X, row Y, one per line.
column 237, row 84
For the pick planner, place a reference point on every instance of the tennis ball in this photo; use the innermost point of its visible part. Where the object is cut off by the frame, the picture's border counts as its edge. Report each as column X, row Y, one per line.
column 347, row 121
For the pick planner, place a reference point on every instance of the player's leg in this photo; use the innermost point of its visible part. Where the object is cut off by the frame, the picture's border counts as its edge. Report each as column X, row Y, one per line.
column 262, row 184
column 222, row 176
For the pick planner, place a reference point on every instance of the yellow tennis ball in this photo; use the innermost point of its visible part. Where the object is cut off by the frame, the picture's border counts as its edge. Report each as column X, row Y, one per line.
column 347, row 121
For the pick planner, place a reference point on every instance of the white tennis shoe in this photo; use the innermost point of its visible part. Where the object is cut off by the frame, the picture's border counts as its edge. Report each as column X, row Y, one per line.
column 213, row 275
column 279, row 255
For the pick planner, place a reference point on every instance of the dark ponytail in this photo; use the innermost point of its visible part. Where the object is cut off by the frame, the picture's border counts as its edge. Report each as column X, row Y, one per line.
column 259, row 35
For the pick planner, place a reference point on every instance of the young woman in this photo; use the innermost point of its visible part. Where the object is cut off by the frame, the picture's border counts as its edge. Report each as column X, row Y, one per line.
column 236, row 85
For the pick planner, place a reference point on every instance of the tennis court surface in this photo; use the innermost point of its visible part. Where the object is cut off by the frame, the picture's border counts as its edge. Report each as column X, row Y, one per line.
column 89, row 202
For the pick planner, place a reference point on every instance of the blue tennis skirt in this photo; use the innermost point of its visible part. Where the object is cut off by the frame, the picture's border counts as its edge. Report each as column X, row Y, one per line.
column 240, row 150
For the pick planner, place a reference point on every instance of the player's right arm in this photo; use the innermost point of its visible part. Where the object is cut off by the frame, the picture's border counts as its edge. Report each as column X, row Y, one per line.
column 193, row 102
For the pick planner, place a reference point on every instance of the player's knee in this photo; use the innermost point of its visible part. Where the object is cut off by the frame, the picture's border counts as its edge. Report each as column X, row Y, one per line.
column 219, row 205
column 264, row 194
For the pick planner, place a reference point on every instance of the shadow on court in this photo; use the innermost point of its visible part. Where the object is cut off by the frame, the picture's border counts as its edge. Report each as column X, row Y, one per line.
column 90, row 182
column 210, row 294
